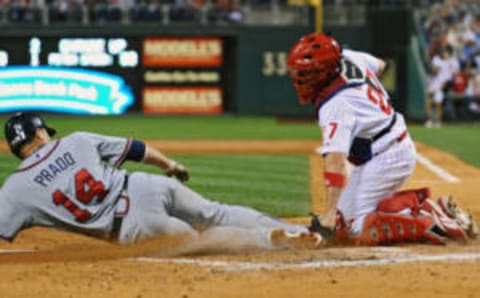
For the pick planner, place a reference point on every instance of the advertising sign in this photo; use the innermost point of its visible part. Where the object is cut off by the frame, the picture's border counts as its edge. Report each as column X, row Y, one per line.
column 112, row 74
column 183, row 75
column 182, row 52
column 62, row 90
column 182, row 100
column 83, row 74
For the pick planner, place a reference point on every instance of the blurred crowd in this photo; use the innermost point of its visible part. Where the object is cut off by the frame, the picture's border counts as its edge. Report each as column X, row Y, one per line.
column 452, row 29
column 36, row 11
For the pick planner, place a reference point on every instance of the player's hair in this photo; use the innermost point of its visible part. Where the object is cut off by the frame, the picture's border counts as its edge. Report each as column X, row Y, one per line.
column 20, row 130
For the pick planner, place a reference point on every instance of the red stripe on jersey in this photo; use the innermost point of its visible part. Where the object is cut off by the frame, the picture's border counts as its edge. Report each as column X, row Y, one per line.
column 402, row 136
column 41, row 159
column 124, row 154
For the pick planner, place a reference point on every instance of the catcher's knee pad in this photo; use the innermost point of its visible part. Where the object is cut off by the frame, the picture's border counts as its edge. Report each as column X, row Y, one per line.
column 407, row 199
column 386, row 228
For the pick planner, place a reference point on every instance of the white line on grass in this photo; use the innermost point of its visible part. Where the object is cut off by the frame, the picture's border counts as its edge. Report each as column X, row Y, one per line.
column 249, row 266
column 437, row 170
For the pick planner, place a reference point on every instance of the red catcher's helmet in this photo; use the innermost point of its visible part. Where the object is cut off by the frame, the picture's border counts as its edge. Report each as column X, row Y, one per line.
column 313, row 62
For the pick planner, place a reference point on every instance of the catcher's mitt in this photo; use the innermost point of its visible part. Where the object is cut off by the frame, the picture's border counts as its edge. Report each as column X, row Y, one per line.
column 328, row 234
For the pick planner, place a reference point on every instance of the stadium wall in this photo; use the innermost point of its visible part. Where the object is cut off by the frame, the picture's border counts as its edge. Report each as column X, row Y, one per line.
column 248, row 77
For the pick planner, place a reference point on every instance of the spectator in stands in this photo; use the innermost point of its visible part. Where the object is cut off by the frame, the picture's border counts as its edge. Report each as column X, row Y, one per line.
column 227, row 11
column 476, row 63
column 107, row 11
column 460, row 80
column 444, row 66
column 454, row 37
column 459, row 91
column 66, row 10
column 470, row 47
column 474, row 94
column 455, row 23
column 26, row 11
column 187, row 10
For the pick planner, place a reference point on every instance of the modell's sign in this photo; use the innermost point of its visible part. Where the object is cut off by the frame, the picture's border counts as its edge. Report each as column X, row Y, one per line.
column 182, row 100
column 182, row 52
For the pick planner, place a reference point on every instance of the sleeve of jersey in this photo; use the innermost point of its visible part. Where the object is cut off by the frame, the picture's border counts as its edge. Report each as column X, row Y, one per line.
column 337, row 123
column 117, row 150
column 362, row 58
column 133, row 150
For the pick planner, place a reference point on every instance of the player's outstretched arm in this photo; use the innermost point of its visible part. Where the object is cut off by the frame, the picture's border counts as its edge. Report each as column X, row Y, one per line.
column 172, row 168
column 335, row 177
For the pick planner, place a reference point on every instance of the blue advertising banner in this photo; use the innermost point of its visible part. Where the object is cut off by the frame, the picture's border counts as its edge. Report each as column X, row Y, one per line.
column 58, row 89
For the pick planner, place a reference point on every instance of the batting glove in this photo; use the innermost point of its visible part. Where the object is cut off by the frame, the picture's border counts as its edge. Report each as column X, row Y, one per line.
column 178, row 170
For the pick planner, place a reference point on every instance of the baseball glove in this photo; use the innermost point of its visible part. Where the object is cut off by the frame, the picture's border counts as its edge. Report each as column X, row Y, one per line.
column 328, row 234
column 178, row 170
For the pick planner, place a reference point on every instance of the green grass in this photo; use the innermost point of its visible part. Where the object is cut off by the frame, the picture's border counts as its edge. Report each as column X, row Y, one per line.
column 188, row 128
column 277, row 184
column 462, row 141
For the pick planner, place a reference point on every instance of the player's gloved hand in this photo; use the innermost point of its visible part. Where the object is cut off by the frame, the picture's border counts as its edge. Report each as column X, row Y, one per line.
column 327, row 233
column 178, row 170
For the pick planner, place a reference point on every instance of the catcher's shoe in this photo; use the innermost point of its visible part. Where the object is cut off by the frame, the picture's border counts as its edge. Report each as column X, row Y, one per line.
column 449, row 226
column 463, row 219
column 301, row 240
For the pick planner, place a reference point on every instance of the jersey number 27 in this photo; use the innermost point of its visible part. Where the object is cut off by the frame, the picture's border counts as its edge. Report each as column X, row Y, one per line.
column 86, row 189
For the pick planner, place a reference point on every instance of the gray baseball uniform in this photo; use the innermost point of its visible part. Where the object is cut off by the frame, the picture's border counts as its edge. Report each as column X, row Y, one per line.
column 75, row 184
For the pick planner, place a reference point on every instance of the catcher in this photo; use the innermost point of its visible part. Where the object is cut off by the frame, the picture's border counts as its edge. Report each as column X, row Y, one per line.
column 359, row 124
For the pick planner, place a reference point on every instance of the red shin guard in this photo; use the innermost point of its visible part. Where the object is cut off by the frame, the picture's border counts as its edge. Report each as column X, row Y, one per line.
column 407, row 199
column 383, row 228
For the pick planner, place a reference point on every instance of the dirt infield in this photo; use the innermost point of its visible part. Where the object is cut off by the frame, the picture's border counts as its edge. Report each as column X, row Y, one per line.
column 55, row 264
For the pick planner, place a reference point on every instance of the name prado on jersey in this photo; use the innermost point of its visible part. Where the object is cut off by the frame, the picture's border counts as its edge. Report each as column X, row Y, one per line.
column 50, row 171
column 76, row 184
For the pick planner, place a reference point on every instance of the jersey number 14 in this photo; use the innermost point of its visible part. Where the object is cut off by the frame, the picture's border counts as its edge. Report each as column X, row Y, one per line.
column 86, row 190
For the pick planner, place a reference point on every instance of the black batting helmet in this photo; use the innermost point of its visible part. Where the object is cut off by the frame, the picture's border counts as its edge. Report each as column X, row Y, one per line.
column 20, row 130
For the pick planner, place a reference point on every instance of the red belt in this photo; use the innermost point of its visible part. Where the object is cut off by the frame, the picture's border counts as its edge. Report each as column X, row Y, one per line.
column 402, row 136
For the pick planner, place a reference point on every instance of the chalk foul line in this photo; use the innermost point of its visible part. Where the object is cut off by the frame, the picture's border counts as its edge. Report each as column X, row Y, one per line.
column 278, row 266
column 381, row 256
column 12, row 251
column 437, row 170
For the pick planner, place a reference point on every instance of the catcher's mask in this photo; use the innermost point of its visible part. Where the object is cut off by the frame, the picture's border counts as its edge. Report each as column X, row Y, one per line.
column 313, row 62
column 20, row 130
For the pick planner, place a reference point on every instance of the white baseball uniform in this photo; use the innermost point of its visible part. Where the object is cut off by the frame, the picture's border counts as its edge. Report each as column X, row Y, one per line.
column 446, row 68
column 75, row 184
column 361, row 108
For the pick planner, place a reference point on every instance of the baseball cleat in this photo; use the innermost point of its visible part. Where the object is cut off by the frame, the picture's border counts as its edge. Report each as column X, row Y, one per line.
column 448, row 224
column 463, row 219
column 301, row 240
